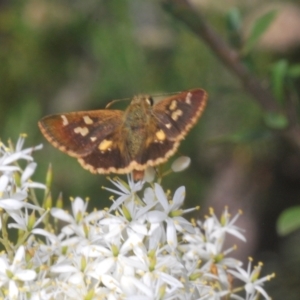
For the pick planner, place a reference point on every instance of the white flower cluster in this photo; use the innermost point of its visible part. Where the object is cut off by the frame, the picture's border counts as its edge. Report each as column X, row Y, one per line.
column 141, row 248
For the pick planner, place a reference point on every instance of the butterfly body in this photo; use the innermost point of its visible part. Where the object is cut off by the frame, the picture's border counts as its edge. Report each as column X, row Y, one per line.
column 113, row 141
column 137, row 118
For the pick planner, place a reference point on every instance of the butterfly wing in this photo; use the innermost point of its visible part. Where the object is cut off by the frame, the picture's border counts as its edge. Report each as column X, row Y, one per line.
column 172, row 118
column 178, row 114
column 156, row 150
column 109, row 156
column 93, row 137
column 99, row 140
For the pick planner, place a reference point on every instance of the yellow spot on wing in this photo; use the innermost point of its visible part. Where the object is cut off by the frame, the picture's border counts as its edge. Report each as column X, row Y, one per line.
column 93, row 138
column 105, row 145
column 188, row 98
column 82, row 130
column 87, row 120
column 160, row 135
column 64, row 120
column 176, row 114
column 173, row 105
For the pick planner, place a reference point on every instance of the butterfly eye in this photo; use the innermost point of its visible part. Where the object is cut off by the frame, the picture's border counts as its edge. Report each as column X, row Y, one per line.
column 150, row 101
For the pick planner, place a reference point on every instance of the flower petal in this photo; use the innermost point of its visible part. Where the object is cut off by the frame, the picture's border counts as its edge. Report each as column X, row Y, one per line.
column 161, row 197
column 4, row 180
column 181, row 163
column 11, row 204
column 26, row 275
column 61, row 214
column 29, row 170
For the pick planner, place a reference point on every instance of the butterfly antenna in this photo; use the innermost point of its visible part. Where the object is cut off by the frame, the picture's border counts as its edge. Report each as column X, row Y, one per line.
column 115, row 101
column 165, row 94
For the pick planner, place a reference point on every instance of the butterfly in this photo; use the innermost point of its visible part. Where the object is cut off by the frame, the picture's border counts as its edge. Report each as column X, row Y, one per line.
column 114, row 141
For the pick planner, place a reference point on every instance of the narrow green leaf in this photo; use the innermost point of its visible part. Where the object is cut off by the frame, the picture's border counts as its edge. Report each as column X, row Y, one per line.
column 289, row 220
column 234, row 25
column 278, row 79
column 234, row 20
column 260, row 26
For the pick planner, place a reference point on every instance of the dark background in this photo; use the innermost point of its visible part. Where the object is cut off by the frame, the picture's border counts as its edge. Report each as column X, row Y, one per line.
column 62, row 56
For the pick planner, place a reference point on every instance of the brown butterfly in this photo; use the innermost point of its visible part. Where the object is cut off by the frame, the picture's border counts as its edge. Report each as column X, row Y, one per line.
column 115, row 141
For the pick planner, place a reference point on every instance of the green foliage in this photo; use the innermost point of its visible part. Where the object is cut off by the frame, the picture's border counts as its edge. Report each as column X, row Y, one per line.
column 234, row 19
column 289, row 221
column 234, row 26
column 294, row 71
column 276, row 120
column 283, row 79
column 278, row 78
column 258, row 29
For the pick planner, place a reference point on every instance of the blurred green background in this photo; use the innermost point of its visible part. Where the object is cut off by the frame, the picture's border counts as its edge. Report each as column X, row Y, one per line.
column 62, row 56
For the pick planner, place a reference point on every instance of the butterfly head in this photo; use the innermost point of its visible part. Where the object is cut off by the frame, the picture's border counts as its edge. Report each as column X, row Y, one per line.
column 143, row 99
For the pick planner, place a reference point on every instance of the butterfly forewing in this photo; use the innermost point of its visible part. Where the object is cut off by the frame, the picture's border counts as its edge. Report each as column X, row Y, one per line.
column 172, row 119
column 79, row 133
column 178, row 114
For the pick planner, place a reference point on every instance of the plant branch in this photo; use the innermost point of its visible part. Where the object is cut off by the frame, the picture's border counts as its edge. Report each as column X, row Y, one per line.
column 183, row 11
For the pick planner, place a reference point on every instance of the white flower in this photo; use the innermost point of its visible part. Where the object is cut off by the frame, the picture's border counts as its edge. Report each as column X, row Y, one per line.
column 12, row 273
column 79, row 219
column 226, row 224
column 55, row 245
column 253, row 284
column 110, row 258
column 125, row 191
column 26, row 175
column 141, row 249
column 14, row 201
column 10, row 155
column 170, row 213
column 22, row 219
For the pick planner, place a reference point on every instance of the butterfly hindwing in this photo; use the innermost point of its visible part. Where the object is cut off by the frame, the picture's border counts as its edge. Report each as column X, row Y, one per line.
column 157, row 147
column 110, row 156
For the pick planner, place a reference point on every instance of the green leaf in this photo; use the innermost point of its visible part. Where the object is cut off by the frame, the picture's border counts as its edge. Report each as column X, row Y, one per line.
column 260, row 26
column 234, row 24
column 278, row 79
column 276, row 120
column 234, row 20
column 294, row 71
column 289, row 220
